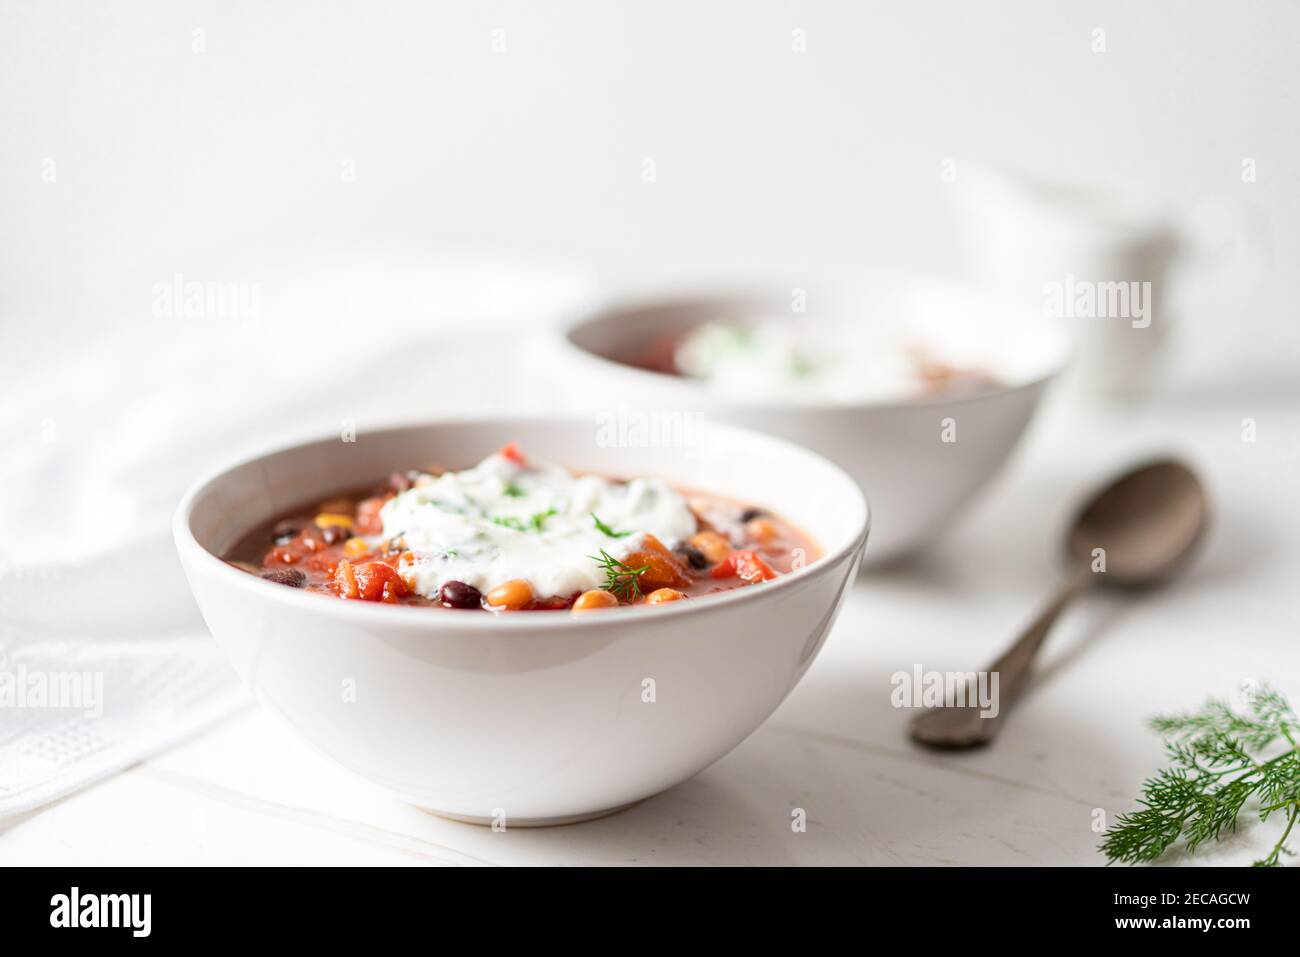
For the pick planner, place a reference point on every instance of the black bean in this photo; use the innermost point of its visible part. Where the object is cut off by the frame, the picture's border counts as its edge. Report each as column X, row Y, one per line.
column 333, row 534
column 284, row 533
column 286, row 576
column 456, row 594
column 749, row 513
column 694, row 556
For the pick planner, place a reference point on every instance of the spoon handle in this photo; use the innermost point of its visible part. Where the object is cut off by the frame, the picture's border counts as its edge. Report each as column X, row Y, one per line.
column 965, row 727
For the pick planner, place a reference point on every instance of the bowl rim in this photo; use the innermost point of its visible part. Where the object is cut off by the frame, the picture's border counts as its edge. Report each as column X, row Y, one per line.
column 187, row 544
column 1062, row 355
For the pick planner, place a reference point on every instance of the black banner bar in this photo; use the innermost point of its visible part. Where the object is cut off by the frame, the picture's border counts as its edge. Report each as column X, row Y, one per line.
column 333, row 906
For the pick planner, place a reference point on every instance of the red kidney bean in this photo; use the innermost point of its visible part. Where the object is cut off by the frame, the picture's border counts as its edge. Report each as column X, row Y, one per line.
column 286, row 576
column 694, row 556
column 456, row 594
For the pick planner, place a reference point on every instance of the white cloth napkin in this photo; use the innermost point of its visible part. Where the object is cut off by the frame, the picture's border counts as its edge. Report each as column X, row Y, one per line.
column 100, row 439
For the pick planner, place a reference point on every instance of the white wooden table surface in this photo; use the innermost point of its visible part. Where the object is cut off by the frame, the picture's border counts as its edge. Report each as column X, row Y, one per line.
column 248, row 792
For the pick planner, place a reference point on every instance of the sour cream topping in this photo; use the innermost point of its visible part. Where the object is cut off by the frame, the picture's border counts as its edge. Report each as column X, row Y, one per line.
column 502, row 520
column 793, row 361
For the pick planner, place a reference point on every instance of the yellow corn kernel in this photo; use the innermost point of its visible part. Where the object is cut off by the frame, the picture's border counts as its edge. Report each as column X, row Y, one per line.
column 355, row 547
column 326, row 519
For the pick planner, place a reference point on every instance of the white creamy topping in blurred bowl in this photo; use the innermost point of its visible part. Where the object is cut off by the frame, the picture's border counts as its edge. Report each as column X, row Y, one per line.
column 800, row 361
column 502, row 520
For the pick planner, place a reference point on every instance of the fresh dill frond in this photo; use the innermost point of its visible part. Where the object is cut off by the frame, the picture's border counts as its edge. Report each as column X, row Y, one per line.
column 1221, row 761
column 534, row 524
column 621, row 579
column 801, row 367
column 602, row 527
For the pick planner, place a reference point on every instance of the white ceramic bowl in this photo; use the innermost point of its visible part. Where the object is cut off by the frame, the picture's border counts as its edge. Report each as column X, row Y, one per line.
column 916, row 481
column 537, row 717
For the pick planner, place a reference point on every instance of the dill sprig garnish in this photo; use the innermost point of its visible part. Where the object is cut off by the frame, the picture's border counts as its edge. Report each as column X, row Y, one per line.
column 621, row 579
column 1221, row 759
column 602, row 527
column 535, row 523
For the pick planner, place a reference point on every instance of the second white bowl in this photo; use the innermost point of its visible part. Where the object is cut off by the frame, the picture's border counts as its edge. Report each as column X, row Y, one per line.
column 918, row 461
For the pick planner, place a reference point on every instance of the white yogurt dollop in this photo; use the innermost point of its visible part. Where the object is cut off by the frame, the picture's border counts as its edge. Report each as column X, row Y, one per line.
column 793, row 361
column 501, row 520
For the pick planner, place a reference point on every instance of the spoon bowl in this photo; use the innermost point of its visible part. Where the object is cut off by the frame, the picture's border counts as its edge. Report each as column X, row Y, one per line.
column 1146, row 524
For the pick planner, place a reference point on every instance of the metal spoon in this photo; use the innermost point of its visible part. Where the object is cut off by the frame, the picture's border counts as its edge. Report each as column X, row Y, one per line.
column 1136, row 532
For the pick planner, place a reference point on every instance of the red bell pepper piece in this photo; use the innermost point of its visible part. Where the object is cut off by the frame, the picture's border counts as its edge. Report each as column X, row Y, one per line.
column 745, row 565
column 511, row 451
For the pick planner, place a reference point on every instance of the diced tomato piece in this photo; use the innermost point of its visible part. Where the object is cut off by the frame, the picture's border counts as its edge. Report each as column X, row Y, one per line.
column 745, row 565
column 511, row 451
column 282, row 553
column 379, row 581
column 369, row 581
column 322, row 562
column 367, row 521
column 345, row 581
